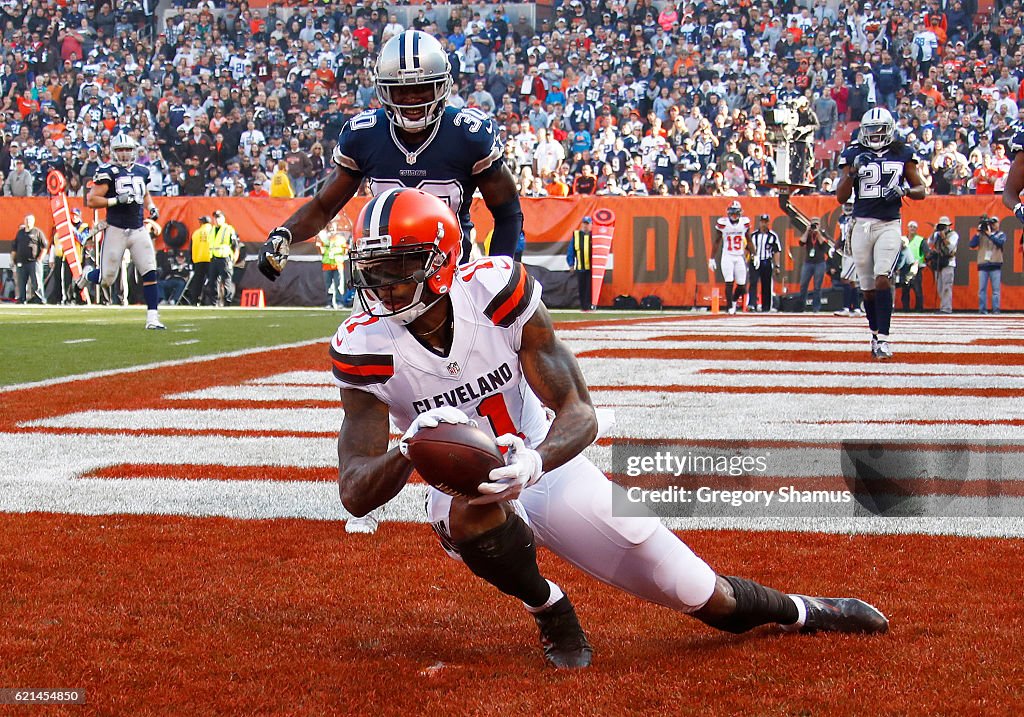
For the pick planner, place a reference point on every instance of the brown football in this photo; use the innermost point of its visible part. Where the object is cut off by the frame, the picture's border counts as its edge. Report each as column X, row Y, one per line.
column 454, row 457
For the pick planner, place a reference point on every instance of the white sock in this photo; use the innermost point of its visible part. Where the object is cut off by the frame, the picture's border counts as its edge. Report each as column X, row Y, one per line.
column 152, row 315
column 801, row 609
column 555, row 596
column 883, row 337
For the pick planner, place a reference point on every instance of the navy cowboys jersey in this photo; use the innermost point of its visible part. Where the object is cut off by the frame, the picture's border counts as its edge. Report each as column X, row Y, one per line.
column 462, row 146
column 1016, row 145
column 884, row 170
column 124, row 182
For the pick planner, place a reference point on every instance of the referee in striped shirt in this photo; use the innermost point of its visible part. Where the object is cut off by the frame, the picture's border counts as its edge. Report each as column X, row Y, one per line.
column 765, row 262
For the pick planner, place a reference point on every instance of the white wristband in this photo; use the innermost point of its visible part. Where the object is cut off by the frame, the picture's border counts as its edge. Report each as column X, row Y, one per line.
column 111, row 201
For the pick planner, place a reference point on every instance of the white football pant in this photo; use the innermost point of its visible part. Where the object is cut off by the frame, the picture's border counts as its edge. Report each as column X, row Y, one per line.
column 570, row 512
column 876, row 245
column 115, row 241
column 734, row 268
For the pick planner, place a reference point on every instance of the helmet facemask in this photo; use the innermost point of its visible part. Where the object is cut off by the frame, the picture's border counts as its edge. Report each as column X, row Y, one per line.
column 415, row 62
column 432, row 109
column 124, row 156
column 124, row 150
column 378, row 274
column 877, row 131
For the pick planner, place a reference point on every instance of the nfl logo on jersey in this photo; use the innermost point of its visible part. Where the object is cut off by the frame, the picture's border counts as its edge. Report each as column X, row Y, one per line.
column 453, row 368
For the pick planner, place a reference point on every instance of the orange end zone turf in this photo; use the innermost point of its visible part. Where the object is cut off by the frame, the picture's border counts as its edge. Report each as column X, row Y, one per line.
column 184, row 615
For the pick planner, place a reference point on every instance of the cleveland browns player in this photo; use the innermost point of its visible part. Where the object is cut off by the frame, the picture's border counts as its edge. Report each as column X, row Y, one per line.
column 436, row 342
column 731, row 234
column 413, row 140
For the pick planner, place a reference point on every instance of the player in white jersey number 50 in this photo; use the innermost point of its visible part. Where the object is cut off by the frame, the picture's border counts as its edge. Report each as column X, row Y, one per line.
column 437, row 342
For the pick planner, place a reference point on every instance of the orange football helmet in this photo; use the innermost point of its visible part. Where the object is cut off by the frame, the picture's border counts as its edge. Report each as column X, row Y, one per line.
column 405, row 241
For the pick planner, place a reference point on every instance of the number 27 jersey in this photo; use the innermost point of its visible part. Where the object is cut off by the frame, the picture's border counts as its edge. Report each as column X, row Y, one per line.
column 883, row 170
column 463, row 145
column 493, row 299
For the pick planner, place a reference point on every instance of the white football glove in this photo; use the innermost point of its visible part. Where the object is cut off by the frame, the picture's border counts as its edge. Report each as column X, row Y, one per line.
column 523, row 467
column 430, row 419
column 712, row 264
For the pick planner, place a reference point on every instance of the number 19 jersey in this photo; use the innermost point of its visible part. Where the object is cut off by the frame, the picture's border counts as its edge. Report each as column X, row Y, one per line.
column 461, row 146
column 734, row 235
column 492, row 300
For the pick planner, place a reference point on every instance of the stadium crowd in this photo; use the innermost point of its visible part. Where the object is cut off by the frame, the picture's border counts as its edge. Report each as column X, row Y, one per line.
column 607, row 96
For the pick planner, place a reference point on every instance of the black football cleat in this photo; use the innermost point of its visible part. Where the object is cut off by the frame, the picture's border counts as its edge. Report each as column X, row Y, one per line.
column 565, row 645
column 842, row 615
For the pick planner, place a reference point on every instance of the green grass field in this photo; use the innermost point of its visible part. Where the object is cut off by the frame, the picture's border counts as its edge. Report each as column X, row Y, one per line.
column 41, row 342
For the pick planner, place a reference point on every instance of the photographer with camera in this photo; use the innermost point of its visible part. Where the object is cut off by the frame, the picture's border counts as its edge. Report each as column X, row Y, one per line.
column 942, row 247
column 816, row 252
column 989, row 242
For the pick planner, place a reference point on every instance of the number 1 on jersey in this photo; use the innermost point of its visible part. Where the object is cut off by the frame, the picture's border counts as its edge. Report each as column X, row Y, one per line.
column 494, row 409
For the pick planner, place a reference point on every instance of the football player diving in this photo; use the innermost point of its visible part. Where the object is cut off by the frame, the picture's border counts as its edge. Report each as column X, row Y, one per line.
column 121, row 188
column 437, row 342
column 413, row 140
column 1015, row 177
column 879, row 171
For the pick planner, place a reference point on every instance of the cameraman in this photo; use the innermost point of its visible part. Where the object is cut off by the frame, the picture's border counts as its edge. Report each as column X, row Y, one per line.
column 942, row 247
column 989, row 243
column 803, row 138
column 816, row 252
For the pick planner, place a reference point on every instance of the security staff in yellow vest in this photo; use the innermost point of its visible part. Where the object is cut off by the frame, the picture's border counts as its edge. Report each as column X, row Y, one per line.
column 200, row 260
column 223, row 244
column 578, row 258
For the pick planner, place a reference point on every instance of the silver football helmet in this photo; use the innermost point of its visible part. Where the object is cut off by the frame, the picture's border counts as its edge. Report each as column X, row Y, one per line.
column 877, row 129
column 124, row 149
column 409, row 59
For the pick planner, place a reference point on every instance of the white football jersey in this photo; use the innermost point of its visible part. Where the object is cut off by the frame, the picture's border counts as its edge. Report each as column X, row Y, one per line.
column 493, row 299
column 734, row 235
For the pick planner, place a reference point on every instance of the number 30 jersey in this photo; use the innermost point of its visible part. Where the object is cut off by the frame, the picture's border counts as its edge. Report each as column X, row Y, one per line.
column 883, row 170
column 492, row 300
column 124, row 182
column 461, row 146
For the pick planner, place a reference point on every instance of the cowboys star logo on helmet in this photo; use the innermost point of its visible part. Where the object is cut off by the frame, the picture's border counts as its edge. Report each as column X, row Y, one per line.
column 406, row 247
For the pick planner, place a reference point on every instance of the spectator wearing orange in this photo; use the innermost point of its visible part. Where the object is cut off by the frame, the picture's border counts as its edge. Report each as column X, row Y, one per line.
column 27, row 105
column 985, row 177
column 555, row 186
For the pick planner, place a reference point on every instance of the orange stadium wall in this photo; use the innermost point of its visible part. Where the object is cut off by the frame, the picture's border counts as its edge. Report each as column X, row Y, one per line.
column 661, row 244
